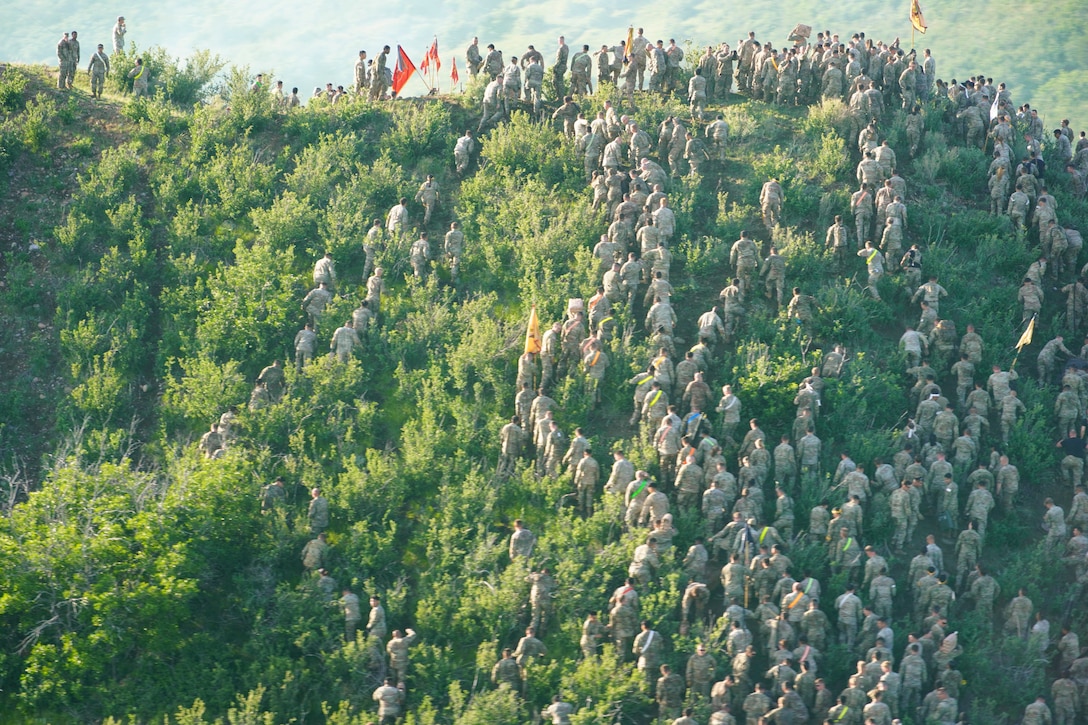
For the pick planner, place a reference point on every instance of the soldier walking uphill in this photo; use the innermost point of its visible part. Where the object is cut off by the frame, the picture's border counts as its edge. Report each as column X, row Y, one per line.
column 98, row 69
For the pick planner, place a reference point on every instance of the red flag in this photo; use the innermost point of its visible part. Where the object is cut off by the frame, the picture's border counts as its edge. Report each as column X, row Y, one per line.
column 454, row 77
column 425, row 64
column 404, row 70
column 433, row 55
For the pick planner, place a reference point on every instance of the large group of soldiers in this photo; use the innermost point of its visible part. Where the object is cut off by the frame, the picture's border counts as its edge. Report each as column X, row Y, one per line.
column 762, row 638
column 772, row 631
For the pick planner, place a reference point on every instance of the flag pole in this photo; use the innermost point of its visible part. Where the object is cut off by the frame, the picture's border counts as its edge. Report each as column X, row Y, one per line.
column 1022, row 343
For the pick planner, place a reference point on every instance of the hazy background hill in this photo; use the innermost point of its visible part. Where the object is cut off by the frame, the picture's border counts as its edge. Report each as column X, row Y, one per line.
column 1037, row 47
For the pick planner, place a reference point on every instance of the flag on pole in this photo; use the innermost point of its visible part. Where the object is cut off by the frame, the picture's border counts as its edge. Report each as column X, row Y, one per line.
column 916, row 18
column 994, row 108
column 532, row 334
column 432, row 55
column 425, row 64
column 404, row 70
column 630, row 42
column 1025, row 339
column 454, row 77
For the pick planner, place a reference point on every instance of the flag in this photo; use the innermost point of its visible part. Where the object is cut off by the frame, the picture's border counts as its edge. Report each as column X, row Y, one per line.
column 532, row 334
column 454, row 77
column 404, row 70
column 432, row 54
column 916, row 18
column 1025, row 339
column 994, row 108
column 425, row 64
column 630, row 42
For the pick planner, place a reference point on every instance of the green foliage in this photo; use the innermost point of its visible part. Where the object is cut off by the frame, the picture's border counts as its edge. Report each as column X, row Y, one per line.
column 183, row 83
column 521, row 147
column 39, row 116
column 203, row 389
column 13, row 84
column 250, row 306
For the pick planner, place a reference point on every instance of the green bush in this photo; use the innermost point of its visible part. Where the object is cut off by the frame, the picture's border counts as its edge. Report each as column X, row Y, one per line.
column 13, row 84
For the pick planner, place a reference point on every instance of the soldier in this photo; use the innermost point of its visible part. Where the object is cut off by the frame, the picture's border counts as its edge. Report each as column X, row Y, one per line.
column 1018, row 613
column 670, row 690
column 592, row 631
column 849, row 608
column 665, row 221
column 318, row 511
column 1066, row 699
column 1047, row 360
column 419, row 255
column 390, row 699
column 273, row 496
column 305, row 345
column 344, row 341
column 757, row 704
column 473, row 59
column 528, row 651
column 1037, row 713
column 1054, row 524
column 428, row 196
column 522, row 540
column 1011, row 407
column 72, row 60
column 559, row 68
column 362, row 81
column 1073, row 461
column 397, row 648
column 512, row 440
column 861, row 206
column 377, row 75
column 558, row 711
column 586, row 476
column 836, row 241
column 984, row 590
column 874, row 262
column 314, row 554
column 717, row 134
column 98, row 69
column 493, row 63
column 744, row 256
column 541, row 594
column 802, row 308
column 211, row 441
column 648, row 647
column 695, row 153
column 623, row 623
column 506, row 671
column 462, row 152
column 770, row 200
column 315, row 302
column 140, row 78
column 119, row 30
column 375, row 625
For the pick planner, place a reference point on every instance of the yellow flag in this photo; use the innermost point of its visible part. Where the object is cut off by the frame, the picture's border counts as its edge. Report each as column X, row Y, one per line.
column 1025, row 339
column 916, row 18
column 629, row 43
column 532, row 335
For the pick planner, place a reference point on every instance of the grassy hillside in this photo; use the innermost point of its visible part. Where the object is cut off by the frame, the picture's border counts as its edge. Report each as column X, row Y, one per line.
column 154, row 257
